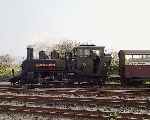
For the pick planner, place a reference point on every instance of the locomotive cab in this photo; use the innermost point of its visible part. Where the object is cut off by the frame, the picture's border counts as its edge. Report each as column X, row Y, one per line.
column 90, row 62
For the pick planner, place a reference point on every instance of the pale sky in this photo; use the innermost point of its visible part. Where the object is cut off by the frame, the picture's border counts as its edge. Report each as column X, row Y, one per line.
column 116, row 24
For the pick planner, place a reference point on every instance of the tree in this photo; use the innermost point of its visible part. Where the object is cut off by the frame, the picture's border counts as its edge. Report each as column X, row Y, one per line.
column 114, row 63
column 6, row 59
column 66, row 46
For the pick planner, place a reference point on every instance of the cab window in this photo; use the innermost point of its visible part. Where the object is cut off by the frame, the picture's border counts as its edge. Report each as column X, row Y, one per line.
column 83, row 52
column 96, row 52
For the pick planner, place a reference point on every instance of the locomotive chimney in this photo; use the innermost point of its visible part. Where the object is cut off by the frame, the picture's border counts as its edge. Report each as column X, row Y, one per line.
column 29, row 53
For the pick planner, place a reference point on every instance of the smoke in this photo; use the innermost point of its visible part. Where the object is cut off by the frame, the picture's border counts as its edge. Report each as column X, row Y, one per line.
column 43, row 41
column 47, row 46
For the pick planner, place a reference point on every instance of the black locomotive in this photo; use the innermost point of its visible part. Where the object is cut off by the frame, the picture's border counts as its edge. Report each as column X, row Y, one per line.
column 84, row 64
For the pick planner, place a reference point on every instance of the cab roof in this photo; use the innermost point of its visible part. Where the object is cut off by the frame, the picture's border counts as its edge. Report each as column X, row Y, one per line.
column 90, row 46
column 135, row 52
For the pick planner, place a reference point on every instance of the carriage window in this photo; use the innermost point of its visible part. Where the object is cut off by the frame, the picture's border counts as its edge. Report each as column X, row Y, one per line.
column 137, row 59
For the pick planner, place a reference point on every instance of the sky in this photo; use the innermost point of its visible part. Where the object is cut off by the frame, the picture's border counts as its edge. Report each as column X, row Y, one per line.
column 116, row 24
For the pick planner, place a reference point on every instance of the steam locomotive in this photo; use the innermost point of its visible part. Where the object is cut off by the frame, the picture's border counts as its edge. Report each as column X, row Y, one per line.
column 84, row 64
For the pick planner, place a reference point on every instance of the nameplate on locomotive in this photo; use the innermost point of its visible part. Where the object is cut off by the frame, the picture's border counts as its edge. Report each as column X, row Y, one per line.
column 45, row 65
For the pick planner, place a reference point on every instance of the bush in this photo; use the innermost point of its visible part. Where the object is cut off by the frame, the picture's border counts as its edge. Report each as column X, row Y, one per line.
column 6, row 70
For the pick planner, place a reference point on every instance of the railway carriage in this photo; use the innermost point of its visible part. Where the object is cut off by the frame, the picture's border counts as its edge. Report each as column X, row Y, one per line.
column 134, row 66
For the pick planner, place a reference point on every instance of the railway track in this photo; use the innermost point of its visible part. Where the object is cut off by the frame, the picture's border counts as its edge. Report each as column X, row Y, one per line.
column 80, row 92
column 71, row 113
column 80, row 103
column 99, row 101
